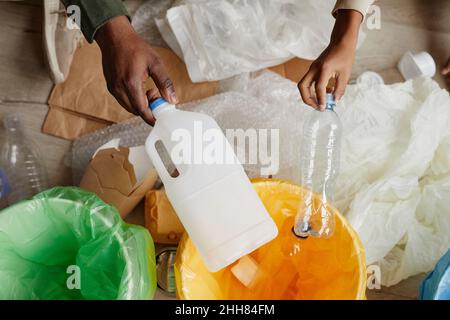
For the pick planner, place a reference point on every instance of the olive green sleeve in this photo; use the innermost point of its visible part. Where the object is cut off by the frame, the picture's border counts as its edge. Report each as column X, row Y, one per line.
column 95, row 13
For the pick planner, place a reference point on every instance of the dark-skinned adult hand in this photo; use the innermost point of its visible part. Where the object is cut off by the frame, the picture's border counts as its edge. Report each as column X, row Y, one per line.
column 128, row 61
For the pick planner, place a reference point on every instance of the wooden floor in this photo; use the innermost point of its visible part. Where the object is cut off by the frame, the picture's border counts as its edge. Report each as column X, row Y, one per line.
column 25, row 85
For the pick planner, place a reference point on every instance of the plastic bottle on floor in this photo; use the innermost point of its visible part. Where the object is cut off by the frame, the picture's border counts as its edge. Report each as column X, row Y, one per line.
column 22, row 168
column 320, row 165
column 211, row 194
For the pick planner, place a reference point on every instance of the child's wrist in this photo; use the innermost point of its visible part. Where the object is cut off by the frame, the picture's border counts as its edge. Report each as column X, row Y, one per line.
column 346, row 28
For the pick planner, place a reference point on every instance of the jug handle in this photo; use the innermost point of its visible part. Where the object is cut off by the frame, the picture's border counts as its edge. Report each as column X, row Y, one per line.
column 150, row 145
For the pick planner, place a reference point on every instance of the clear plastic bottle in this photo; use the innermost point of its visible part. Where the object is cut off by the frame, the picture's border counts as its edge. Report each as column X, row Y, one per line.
column 20, row 162
column 320, row 165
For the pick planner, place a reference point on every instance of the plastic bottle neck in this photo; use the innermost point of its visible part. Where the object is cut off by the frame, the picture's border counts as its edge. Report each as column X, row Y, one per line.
column 161, row 107
column 163, row 110
column 331, row 103
column 13, row 126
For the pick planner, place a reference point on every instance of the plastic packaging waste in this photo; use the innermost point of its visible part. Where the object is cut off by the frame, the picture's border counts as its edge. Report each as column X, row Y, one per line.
column 413, row 65
column 143, row 20
column 436, row 285
column 66, row 243
column 222, row 38
column 274, row 109
column 370, row 78
column 394, row 176
column 211, row 194
column 285, row 268
column 19, row 157
column 320, row 165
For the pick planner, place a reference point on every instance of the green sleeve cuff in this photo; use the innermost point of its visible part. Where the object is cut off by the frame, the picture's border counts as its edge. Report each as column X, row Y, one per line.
column 95, row 13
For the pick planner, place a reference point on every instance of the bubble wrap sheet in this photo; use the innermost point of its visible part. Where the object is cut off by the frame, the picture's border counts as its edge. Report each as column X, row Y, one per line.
column 260, row 101
column 132, row 133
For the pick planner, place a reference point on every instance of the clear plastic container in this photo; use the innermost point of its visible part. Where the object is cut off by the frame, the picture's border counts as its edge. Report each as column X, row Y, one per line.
column 20, row 162
column 320, row 165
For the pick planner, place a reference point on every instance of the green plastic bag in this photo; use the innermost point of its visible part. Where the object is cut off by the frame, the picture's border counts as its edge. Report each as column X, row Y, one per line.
column 66, row 243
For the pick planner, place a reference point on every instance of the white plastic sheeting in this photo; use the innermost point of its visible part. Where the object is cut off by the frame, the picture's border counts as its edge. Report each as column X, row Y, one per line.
column 218, row 39
column 144, row 20
column 394, row 185
column 395, row 174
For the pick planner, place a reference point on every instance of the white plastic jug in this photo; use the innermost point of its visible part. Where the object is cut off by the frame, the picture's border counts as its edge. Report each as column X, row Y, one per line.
column 214, row 199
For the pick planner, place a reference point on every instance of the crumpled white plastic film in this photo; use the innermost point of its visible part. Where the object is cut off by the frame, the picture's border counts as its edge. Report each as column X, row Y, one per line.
column 145, row 18
column 401, row 216
column 218, row 39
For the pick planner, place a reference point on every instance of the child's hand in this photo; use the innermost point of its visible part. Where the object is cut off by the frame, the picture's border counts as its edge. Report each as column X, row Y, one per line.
column 335, row 62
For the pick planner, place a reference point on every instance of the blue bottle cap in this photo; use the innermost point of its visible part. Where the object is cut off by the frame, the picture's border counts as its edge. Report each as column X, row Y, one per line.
column 331, row 102
column 155, row 104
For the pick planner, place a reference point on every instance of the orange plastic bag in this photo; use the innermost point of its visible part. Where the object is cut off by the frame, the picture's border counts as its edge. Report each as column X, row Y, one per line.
column 285, row 268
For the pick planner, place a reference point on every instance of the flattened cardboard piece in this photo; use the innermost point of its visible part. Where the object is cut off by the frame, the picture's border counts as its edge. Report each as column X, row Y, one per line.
column 112, row 177
column 85, row 91
column 69, row 125
column 161, row 219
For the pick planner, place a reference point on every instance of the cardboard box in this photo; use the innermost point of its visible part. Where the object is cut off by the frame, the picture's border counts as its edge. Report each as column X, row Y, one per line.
column 161, row 219
column 120, row 176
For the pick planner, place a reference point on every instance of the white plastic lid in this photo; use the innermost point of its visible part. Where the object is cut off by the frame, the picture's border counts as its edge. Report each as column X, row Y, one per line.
column 415, row 65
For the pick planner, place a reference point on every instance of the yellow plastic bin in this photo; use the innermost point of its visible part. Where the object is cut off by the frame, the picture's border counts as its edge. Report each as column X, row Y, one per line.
column 287, row 267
